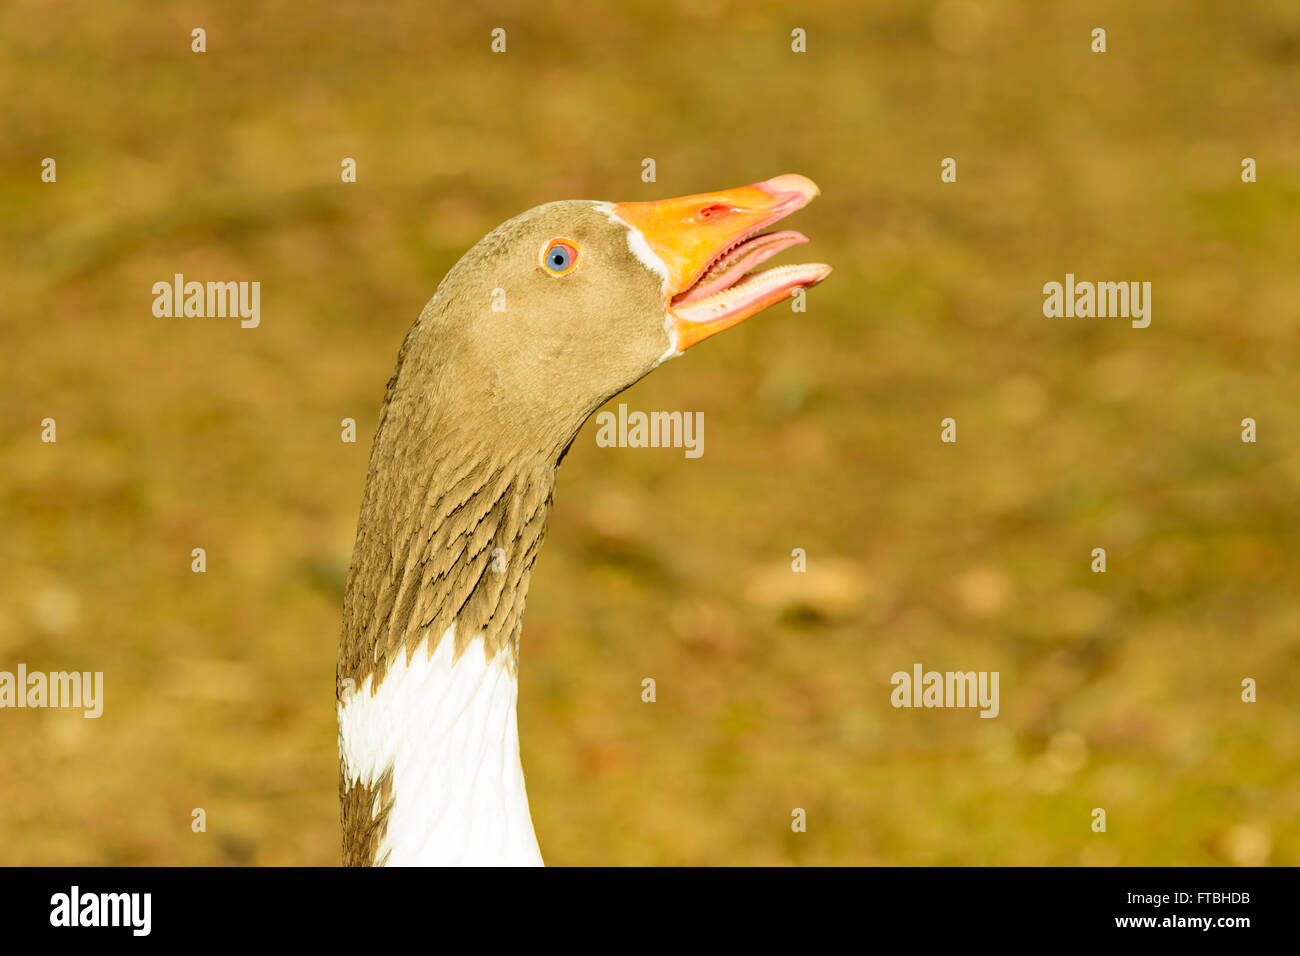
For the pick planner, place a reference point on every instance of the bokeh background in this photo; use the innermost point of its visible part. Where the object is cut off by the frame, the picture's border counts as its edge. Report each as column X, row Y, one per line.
column 1118, row 690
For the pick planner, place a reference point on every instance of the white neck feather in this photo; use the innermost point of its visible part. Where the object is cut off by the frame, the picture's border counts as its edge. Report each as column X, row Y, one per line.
column 449, row 732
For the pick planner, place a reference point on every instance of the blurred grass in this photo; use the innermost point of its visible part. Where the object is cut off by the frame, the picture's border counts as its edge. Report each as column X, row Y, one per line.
column 1119, row 691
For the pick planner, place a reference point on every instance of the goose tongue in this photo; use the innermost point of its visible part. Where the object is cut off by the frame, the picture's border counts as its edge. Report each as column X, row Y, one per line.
column 709, row 242
column 728, row 268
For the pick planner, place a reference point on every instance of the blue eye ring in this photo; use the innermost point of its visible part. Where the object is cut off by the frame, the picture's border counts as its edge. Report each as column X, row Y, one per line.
column 560, row 257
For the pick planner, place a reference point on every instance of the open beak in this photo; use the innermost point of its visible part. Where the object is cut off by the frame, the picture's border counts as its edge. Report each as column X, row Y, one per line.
column 708, row 243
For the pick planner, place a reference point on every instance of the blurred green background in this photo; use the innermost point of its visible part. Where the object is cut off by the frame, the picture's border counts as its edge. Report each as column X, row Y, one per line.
column 1118, row 691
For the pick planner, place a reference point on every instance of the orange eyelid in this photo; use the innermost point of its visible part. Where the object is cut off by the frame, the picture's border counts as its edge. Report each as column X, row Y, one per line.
column 561, row 241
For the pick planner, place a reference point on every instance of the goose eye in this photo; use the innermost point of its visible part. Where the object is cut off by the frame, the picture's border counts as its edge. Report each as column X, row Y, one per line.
column 560, row 257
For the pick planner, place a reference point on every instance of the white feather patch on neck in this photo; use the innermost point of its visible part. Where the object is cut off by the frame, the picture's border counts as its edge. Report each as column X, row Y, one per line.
column 450, row 734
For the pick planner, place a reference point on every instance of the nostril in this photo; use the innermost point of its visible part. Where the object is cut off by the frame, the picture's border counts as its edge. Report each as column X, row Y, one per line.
column 713, row 211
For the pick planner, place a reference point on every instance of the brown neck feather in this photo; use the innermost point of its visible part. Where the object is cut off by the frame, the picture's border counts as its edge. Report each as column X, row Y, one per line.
column 452, row 520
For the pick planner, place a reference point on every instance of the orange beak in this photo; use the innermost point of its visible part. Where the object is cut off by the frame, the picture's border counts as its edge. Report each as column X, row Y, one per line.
column 707, row 245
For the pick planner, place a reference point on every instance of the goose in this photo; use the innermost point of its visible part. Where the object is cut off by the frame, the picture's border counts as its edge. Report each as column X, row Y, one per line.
column 540, row 323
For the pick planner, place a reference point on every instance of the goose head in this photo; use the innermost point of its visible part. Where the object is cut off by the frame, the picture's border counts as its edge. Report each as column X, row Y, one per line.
column 540, row 323
column 564, row 306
